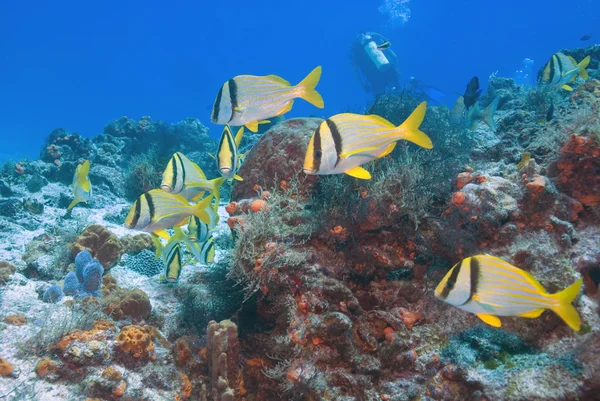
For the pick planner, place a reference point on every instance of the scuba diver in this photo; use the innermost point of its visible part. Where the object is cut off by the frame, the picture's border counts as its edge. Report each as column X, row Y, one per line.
column 375, row 63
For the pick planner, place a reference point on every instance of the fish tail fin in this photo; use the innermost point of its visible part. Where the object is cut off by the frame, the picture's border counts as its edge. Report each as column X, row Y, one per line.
column 216, row 189
column 564, row 308
column 582, row 67
column 488, row 114
column 308, row 91
column 410, row 131
column 203, row 209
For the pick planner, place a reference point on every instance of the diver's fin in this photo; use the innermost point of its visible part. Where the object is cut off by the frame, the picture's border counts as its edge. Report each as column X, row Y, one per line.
column 564, row 308
column 72, row 204
column 237, row 177
column 409, row 129
column 308, row 85
column 252, row 126
column 162, row 234
column 359, row 172
column 389, row 149
column 532, row 314
column 488, row 114
column 582, row 67
column 490, row 319
column 567, row 87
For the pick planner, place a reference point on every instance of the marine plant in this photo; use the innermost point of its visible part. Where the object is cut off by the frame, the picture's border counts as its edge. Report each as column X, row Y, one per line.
column 143, row 173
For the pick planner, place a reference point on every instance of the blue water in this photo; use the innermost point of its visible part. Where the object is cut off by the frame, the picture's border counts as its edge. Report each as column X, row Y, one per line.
column 80, row 64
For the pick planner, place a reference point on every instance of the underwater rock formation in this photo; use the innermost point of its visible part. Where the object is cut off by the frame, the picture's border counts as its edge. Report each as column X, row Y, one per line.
column 223, row 353
column 101, row 243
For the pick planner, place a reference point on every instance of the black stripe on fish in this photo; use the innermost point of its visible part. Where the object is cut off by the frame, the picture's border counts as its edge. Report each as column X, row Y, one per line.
column 217, row 106
column 174, row 177
column 150, row 203
column 337, row 139
column 182, row 171
column 233, row 96
column 136, row 214
column 552, row 67
column 475, row 271
column 207, row 251
column 317, row 150
column 451, row 280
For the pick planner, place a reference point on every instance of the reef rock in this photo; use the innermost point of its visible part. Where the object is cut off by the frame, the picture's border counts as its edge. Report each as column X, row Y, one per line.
column 277, row 159
column 102, row 244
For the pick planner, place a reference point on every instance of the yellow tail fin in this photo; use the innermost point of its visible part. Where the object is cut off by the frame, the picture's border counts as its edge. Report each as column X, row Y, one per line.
column 582, row 67
column 308, row 85
column 409, row 129
column 202, row 209
column 216, row 191
column 73, row 203
column 564, row 309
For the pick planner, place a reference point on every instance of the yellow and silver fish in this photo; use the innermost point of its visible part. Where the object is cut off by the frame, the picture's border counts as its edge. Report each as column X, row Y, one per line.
column 82, row 187
column 198, row 230
column 486, row 115
column 157, row 210
column 344, row 142
column 173, row 262
column 204, row 252
column 490, row 287
column 249, row 99
column 184, row 177
column 228, row 158
column 562, row 69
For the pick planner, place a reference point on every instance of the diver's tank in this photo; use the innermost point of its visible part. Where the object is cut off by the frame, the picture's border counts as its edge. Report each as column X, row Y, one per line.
column 377, row 56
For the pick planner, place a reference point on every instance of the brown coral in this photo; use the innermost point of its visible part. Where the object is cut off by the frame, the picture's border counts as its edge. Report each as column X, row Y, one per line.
column 6, row 269
column 133, row 244
column 15, row 320
column 102, row 244
column 123, row 303
column 6, row 368
column 46, row 367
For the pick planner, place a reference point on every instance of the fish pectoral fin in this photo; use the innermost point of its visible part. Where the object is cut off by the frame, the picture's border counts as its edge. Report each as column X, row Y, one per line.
column 162, row 234
column 72, row 204
column 355, row 152
column 389, row 149
column 532, row 314
column 567, row 87
column 213, row 156
column 252, row 126
column 359, row 172
column 237, row 177
column 490, row 319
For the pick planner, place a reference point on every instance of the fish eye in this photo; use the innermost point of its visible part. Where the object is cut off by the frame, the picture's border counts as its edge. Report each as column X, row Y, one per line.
column 318, row 154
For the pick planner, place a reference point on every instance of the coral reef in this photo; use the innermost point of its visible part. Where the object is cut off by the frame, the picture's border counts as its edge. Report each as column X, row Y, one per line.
column 101, row 243
column 6, row 270
column 145, row 262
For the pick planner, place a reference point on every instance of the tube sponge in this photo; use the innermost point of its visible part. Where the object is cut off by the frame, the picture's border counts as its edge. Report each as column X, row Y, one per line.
column 71, row 284
column 53, row 294
column 87, row 278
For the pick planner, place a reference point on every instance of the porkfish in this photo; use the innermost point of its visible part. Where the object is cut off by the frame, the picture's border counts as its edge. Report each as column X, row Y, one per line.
column 490, row 287
column 344, row 142
column 184, row 177
column 82, row 187
column 561, row 70
column 228, row 157
column 249, row 99
column 157, row 210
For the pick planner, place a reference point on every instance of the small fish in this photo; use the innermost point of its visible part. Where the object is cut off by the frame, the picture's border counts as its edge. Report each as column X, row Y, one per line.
column 585, row 37
column 344, row 142
column 561, row 70
column 228, row 158
column 524, row 161
column 472, row 92
column 486, row 115
column 198, row 230
column 82, row 187
column 184, row 177
column 457, row 114
column 249, row 100
column 384, row 45
column 550, row 112
column 490, row 287
column 157, row 210
column 173, row 263
column 204, row 253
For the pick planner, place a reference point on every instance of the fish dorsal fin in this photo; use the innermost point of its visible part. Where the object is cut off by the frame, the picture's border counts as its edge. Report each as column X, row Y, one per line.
column 239, row 135
column 381, row 120
column 359, row 172
column 85, row 168
column 85, row 183
column 532, row 314
column 252, row 126
column 490, row 319
column 278, row 79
